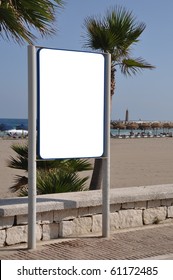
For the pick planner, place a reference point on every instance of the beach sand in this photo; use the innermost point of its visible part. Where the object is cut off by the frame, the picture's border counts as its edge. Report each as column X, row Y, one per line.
column 134, row 162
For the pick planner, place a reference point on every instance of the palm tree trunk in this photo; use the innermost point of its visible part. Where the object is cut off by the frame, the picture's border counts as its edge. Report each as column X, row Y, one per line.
column 97, row 175
column 96, row 180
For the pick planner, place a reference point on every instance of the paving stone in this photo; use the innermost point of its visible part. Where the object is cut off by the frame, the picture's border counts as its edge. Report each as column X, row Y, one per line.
column 151, row 242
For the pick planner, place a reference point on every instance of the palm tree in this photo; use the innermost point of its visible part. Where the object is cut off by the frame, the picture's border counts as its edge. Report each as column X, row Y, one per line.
column 52, row 176
column 18, row 19
column 115, row 33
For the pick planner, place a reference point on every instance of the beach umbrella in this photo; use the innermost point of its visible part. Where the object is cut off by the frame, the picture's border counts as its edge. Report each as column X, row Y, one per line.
column 156, row 126
column 119, row 126
column 171, row 125
column 144, row 126
column 167, row 126
column 132, row 126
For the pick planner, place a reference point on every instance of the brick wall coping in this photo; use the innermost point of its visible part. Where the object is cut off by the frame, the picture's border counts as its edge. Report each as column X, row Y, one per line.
column 19, row 206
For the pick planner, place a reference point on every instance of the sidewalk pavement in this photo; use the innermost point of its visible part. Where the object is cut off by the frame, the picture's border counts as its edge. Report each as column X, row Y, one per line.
column 150, row 242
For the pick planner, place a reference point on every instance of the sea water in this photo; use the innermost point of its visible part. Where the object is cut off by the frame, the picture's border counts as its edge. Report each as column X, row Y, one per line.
column 6, row 124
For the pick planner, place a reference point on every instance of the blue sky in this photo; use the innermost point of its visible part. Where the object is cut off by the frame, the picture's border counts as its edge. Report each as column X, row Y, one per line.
column 147, row 96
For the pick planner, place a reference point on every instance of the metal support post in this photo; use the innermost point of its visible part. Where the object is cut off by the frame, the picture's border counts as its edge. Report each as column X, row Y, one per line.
column 32, row 87
column 106, row 155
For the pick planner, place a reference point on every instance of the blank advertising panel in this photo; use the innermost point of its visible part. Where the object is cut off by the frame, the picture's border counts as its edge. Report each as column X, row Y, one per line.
column 70, row 104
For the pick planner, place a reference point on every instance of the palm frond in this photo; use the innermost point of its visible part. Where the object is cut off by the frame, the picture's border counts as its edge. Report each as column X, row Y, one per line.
column 20, row 182
column 116, row 33
column 11, row 26
column 134, row 66
column 57, row 182
column 77, row 165
column 122, row 23
column 18, row 18
column 21, row 160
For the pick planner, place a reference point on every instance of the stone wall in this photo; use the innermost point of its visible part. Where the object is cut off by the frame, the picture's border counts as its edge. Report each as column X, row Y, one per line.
column 79, row 213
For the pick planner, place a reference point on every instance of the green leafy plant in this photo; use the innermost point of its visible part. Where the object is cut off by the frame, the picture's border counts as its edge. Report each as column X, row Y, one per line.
column 52, row 175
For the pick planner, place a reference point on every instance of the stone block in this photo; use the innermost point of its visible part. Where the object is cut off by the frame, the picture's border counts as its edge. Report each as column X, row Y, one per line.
column 140, row 205
column 6, row 222
column 154, row 203
column 167, row 202
column 128, row 205
column 170, row 211
column 76, row 227
column 50, row 231
column 47, row 217
column 66, row 214
column 97, row 223
column 114, row 221
column 66, row 228
column 154, row 215
column 130, row 218
column 83, row 211
column 95, row 209
column 38, row 232
column 2, row 237
column 23, row 219
column 167, row 221
column 17, row 234
column 115, row 207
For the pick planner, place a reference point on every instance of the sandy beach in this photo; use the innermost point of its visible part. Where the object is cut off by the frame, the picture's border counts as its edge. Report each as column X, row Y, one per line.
column 134, row 162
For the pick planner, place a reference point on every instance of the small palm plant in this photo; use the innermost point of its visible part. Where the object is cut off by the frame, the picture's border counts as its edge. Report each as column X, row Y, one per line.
column 53, row 176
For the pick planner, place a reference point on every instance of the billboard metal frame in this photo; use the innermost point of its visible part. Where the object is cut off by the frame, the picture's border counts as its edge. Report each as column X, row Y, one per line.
column 32, row 144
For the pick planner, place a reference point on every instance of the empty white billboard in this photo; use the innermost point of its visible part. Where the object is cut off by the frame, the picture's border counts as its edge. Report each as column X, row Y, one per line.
column 70, row 104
